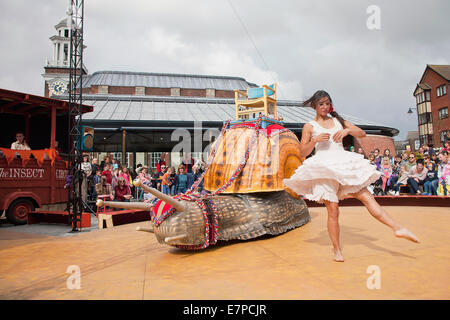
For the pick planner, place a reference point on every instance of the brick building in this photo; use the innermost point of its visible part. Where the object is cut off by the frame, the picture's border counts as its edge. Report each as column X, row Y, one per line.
column 136, row 113
column 432, row 101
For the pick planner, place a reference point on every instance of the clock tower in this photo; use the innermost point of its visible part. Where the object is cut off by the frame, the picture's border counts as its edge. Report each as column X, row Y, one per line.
column 57, row 70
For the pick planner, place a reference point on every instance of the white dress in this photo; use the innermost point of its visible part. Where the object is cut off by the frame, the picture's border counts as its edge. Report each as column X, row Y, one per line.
column 332, row 173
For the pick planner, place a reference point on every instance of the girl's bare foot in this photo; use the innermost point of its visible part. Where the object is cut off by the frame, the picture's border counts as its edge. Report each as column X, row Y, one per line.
column 406, row 234
column 338, row 257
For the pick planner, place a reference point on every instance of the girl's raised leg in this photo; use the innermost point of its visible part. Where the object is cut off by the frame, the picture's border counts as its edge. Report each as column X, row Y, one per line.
column 381, row 215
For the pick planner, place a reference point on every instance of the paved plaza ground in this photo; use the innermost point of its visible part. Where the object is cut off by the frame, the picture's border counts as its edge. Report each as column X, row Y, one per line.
column 121, row 263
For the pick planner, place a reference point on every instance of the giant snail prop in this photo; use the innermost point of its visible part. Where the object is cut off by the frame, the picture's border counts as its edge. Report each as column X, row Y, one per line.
column 250, row 203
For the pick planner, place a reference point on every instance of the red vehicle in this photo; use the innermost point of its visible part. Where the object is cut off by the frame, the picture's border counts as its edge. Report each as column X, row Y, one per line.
column 35, row 178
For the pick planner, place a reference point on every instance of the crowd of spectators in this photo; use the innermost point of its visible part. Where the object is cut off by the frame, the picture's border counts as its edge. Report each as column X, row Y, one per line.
column 424, row 172
column 111, row 179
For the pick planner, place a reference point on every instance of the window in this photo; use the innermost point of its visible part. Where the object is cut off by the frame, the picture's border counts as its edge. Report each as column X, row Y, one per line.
column 443, row 113
column 117, row 156
column 425, row 118
column 441, row 90
column 420, row 97
column 154, row 157
column 426, row 139
column 66, row 52
column 444, row 135
column 66, row 33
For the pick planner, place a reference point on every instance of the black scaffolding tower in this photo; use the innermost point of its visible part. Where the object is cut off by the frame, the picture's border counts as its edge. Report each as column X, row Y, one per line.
column 75, row 203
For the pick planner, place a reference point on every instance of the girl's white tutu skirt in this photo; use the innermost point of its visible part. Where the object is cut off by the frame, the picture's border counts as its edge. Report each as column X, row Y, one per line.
column 332, row 175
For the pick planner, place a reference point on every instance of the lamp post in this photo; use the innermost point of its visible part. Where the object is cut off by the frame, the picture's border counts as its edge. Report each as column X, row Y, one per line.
column 410, row 111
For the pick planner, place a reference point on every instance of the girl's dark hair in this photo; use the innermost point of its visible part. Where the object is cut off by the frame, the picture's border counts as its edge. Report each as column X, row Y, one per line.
column 312, row 102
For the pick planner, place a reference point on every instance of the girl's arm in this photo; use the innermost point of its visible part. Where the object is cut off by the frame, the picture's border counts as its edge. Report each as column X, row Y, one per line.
column 350, row 129
column 307, row 143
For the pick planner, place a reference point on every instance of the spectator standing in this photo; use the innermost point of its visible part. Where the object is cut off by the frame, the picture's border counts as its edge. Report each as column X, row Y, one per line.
column 133, row 174
column 161, row 162
column 20, row 143
column 153, row 179
column 387, row 153
column 115, row 178
column 87, row 171
column 197, row 173
column 377, row 155
column 183, row 180
column 104, row 162
column 95, row 166
column 143, row 175
column 188, row 162
column 126, row 175
column 115, row 164
column 166, row 184
column 97, row 178
column 159, row 176
column 91, row 183
column 172, row 181
column 107, row 173
column 386, row 169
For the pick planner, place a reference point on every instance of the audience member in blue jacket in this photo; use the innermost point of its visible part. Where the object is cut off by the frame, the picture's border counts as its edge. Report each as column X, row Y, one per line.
column 432, row 175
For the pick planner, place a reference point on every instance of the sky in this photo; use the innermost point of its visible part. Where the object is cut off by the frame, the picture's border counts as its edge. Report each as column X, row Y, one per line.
column 368, row 55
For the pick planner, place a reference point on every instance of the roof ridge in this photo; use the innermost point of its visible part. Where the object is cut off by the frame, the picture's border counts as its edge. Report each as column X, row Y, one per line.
column 182, row 99
column 168, row 74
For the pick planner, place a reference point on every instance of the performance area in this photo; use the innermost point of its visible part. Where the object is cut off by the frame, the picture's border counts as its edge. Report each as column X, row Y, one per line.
column 121, row 263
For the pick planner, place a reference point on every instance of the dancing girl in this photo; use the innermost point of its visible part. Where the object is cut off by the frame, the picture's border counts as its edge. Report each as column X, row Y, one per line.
column 333, row 173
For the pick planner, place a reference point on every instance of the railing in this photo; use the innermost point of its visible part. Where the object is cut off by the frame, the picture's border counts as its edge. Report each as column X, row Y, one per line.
column 55, row 63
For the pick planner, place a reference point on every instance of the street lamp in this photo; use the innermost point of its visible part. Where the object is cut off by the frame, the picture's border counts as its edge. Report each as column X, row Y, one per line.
column 410, row 111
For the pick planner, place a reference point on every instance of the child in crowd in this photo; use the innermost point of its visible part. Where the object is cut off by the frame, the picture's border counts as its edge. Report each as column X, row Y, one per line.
column 432, row 175
column 396, row 171
column 166, row 184
column 444, row 173
column 172, row 179
column 386, row 169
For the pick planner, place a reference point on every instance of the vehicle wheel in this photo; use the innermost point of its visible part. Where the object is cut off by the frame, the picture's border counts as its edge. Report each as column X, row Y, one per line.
column 18, row 211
